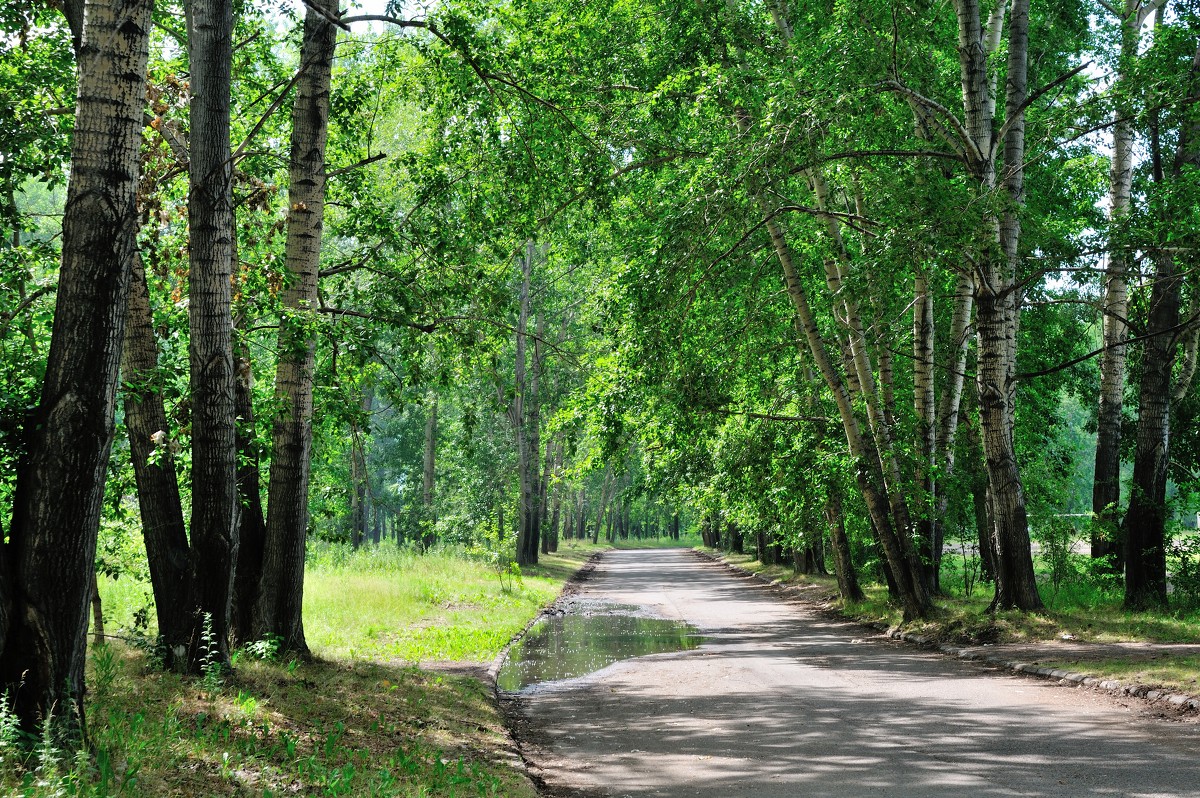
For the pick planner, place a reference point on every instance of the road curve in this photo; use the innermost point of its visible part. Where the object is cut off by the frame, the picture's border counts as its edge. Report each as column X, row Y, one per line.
column 780, row 701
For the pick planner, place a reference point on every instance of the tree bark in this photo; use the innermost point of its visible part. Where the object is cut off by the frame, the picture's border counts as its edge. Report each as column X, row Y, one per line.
column 949, row 407
column 997, row 307
column 1106, row 487
column 1145, row 520
column 847, row 579
column 279, row 609
column 428, row 473
column 163, row 528
column 925, row 412
column 910, row 591
column 210, row 221
column 46, row 572
column 252, row 522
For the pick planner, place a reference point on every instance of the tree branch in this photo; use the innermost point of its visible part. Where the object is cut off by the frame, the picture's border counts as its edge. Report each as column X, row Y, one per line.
column 364, row 162
column 7, row 317
column 937, row 108
column 720, row 411
column 1183, row 325
column 1037, row 95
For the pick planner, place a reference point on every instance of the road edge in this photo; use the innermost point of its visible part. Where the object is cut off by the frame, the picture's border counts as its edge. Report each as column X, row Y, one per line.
column 1179, row 703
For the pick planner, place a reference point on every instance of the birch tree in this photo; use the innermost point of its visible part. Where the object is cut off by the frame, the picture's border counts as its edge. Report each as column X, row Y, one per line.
column 46, row 570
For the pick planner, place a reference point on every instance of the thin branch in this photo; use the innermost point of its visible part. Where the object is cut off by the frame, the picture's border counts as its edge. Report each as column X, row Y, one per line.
column 175, row 33
column 720, row 411
column 624, row 170
column 939, row 109
column 1183, row 325
column 1034, row 97
column 329, row 17
column 851, row 154
column 358, row 314
column 345, row 22
column 262, row 120
column 364, row 162
column 543, row 102
column 7, row 317
column 441, row 321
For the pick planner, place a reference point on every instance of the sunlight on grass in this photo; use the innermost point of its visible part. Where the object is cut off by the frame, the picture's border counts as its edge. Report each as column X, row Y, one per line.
column 401, row 605
column 1181, row 674
column 358, row 721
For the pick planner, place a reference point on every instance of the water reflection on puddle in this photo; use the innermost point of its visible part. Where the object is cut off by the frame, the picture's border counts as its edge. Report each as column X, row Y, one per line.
column 576, row 644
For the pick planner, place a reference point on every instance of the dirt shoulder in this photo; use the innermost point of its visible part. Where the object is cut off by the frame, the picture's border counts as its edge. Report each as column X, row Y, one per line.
column 1166, row 675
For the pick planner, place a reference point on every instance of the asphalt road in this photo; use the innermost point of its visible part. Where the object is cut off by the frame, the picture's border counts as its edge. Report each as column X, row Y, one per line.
column 781, row 701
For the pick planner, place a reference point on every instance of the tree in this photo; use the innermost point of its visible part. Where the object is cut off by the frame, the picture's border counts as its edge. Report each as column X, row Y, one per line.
column 1145, row 520
column 46, row 570
column 281, row 589
column 210, row 346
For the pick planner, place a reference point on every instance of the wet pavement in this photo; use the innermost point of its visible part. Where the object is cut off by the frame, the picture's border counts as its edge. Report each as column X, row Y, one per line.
column 586, row 636
column 779, row 700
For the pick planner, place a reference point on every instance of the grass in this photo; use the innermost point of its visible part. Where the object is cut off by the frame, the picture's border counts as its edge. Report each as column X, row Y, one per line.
column 360, row 720
column 393, row 604
column 1177, row 674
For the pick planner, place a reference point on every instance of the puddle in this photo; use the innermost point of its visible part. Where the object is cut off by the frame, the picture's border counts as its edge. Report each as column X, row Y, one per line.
column 571, row 645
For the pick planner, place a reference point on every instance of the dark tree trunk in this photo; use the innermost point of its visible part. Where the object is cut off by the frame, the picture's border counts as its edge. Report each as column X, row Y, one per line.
column 210, row 220
column 847, row 578
column 736, row 542
column 163, row 527
column 1145, row 521
column 428, row 474
column 925, row 411
column 252, row 524
column 47, row 571
column 544, row 497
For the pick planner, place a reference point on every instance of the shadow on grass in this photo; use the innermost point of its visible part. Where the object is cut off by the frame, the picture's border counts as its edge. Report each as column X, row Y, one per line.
column 329, row 728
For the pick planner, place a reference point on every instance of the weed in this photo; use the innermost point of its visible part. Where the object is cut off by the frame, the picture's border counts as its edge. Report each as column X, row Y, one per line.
column 512, row 572
column 10, row 732
column 1183, row 562
column 265, row 649
column 212, row 669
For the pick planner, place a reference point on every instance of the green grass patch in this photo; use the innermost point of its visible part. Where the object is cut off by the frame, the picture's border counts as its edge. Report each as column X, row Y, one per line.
column 275, row 729
column 396, row 604
column 361, row 720
column 1175, row 673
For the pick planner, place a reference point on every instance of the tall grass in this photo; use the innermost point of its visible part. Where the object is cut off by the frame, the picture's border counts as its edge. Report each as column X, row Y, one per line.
column 393, row 603
column 359, row 721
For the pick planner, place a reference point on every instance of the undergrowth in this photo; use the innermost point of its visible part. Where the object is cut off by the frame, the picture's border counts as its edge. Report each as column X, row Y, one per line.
column 271, row 729
column 360, row 720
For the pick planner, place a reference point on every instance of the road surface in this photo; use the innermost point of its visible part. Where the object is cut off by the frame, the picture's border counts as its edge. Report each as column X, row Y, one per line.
column 782, row 701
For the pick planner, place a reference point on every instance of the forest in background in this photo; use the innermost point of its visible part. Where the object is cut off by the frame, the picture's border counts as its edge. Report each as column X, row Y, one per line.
column 855, row 284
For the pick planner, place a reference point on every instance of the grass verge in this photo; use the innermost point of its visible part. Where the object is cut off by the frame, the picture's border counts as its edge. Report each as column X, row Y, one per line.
column 1177, row 674
column 392, row 604
column 360, row 720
